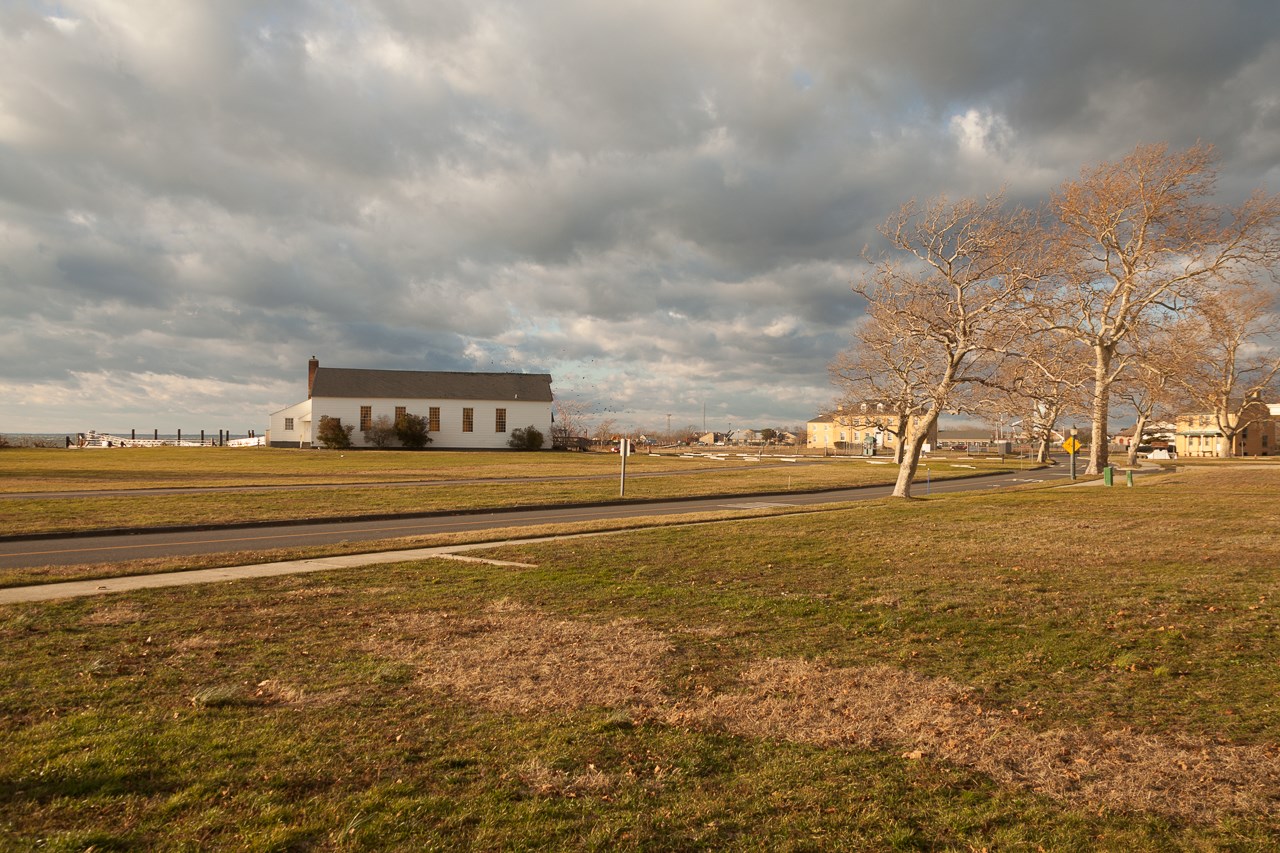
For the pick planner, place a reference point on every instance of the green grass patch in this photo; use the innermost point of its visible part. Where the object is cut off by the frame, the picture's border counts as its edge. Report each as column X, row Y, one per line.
column 787, row 683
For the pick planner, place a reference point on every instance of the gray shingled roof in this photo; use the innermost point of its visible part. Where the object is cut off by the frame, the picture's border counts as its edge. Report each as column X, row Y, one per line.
column 430, row 385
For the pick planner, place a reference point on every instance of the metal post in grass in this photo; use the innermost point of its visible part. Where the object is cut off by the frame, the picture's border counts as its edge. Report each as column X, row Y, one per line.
column 624, row 447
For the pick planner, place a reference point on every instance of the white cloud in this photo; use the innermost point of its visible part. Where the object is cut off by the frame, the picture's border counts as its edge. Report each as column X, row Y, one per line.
column 981, row 133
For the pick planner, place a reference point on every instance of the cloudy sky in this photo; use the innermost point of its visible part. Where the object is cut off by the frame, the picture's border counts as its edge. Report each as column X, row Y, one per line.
column 661, row 204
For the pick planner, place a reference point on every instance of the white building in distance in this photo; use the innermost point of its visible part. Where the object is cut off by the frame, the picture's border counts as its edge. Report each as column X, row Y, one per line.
column 463, row 410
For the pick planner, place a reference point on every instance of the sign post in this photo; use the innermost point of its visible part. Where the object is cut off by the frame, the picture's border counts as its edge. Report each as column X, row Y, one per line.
column 1071, row 445
column 624, row 449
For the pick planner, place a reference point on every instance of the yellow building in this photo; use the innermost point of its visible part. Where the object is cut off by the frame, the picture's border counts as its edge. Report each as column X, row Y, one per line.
column 855, row 429
column 1198, row 433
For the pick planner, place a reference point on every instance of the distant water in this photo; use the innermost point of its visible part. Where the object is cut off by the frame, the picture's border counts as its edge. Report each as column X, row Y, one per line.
column 41, row 439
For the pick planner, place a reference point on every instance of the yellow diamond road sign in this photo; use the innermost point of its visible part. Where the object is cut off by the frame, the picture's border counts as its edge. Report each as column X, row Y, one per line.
column 1071, row 445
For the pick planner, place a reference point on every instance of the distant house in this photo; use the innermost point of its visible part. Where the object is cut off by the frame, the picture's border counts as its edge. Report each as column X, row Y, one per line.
column 463, row 410
column 771, row 436
column 856, row 427
column 1157, row 434
column 971, row 440
column 1198, row 433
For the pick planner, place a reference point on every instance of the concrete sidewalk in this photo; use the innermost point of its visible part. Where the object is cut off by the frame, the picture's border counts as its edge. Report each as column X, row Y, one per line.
column 80, row 589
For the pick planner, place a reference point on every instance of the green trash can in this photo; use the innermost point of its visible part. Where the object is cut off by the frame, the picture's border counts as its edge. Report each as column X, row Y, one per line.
column 1107, row 473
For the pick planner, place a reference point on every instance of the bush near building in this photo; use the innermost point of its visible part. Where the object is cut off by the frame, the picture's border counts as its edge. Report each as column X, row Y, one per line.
column 525, row 438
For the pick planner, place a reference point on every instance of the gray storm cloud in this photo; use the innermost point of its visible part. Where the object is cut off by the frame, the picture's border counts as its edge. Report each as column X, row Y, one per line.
column 661, row 204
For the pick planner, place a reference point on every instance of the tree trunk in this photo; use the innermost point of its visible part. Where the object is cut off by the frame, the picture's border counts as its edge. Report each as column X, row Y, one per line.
column 1044, row 432
column 910, row 463
column 1138, row 428
column 1101, row 406
column 1227, row 445
column 898, row 445
column 907, row 468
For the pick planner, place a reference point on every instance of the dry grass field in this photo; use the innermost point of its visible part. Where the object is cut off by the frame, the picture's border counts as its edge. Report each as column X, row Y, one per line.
column 1056, row 669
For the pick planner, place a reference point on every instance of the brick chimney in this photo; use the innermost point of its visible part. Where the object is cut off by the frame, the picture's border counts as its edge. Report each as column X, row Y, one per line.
column 312, row 366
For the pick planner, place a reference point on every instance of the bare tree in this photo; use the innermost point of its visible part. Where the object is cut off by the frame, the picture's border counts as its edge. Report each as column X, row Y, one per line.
column 1038, row 388
column 570, row 422
column 1139, row 240
column 381, row 432
column 1231, row 368
column 952, row 305
column 605, row 430
column 1148, row 391
column 883, row 369
column 1154, row 357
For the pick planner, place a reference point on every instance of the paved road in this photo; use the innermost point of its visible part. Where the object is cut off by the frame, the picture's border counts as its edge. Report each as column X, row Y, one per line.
column 388, row 484
column 78, row 549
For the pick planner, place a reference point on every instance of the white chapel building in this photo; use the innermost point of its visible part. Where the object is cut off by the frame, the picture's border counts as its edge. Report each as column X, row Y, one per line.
column 463, row 410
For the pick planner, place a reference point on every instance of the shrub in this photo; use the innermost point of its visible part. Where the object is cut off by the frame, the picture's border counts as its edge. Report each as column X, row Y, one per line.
column 332, row 434
column 381, row 432
column 412, row 431
column 525, row 438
